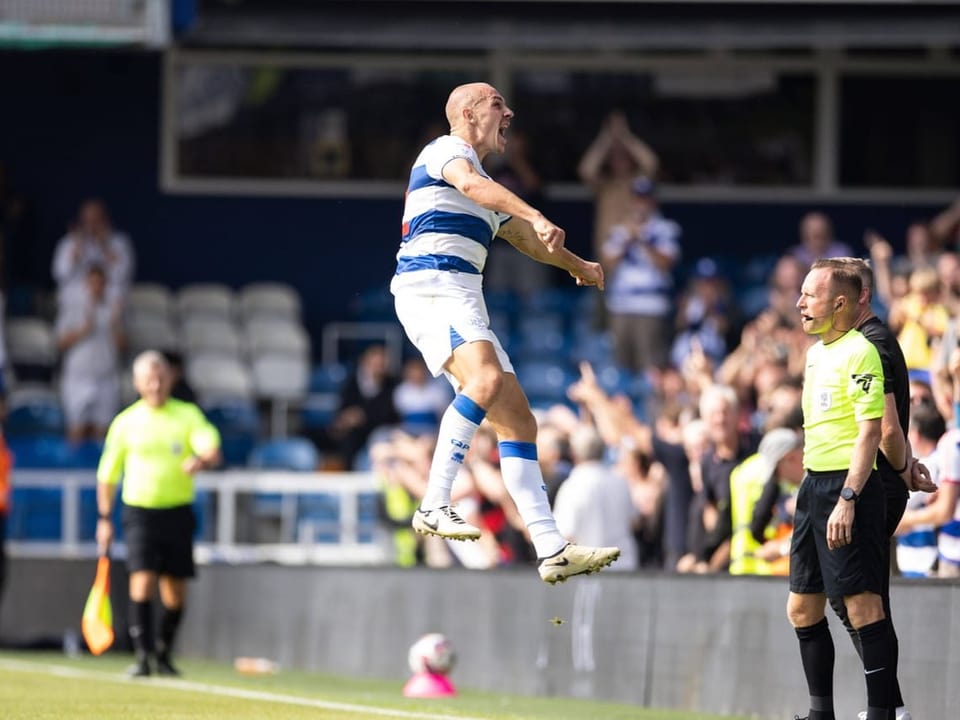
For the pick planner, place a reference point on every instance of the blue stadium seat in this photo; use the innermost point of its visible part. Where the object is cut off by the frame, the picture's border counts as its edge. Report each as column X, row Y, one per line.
column 502, row 301
column 544, row 382
column 327, row 378
column 34, row 414
column 368, row 516
column 540, row 346
column 318, row 410
column 374, row 305
column 35, row 514
column 552, row 300
column 239, row 424
column 322, row 511
column 533, row 324
column 293, row 453
column 88, row 516
column 204, row 509
column 47, row 451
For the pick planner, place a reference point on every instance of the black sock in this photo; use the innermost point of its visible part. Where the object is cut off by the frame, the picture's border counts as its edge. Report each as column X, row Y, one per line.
column 141, row 628
column 817, row 655
column 840, row 608
column 877, row 668
column 896, row 697
column 169, row 623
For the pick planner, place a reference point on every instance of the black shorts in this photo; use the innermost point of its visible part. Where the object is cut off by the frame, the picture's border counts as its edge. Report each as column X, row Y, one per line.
column 160, row 540
column 849, row 570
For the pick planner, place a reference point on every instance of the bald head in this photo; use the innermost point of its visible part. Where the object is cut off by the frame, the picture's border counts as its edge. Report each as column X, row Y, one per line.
column 463, row 97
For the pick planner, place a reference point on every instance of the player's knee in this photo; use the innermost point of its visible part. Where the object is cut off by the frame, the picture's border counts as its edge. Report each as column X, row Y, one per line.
column 803, row 611
column 864, row 609
column 485, row 385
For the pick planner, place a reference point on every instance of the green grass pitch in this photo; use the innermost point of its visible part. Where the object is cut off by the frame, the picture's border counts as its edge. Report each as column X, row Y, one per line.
column 49, row 686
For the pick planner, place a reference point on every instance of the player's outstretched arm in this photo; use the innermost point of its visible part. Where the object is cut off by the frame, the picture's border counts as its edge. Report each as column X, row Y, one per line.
column 492, row 195
column 524, row 237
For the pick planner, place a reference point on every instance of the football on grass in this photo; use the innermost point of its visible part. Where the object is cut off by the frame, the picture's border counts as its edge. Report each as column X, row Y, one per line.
column 432, row 653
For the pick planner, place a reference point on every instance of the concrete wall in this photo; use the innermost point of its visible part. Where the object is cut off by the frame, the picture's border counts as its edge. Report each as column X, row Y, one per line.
column 715, row 644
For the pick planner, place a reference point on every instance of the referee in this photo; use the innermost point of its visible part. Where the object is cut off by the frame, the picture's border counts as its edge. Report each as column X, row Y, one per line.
column 156, row 445
column 839, row 534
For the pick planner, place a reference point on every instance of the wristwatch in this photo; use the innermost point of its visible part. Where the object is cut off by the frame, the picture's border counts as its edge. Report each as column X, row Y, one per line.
column 849, row 494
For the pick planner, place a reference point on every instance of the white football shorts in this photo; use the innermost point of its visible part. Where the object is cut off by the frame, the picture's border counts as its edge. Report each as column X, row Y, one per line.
column 440, row 310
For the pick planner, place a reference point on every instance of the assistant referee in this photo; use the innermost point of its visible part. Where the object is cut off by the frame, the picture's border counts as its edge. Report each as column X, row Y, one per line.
column 155, row 445
column 839, row 535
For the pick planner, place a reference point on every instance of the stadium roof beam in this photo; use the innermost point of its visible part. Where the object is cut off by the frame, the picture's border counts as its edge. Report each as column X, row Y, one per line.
column 350, row 31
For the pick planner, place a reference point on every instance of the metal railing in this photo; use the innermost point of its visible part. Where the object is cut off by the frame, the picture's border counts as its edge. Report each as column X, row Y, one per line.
column 245, row 516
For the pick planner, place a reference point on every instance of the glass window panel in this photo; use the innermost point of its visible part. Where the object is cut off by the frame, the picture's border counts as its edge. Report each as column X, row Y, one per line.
column 900, row 131
column 242, row 121
column 737, row 127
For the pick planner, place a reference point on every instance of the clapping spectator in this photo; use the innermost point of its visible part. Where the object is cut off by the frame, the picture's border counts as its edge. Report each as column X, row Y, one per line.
column 640, row 253
column 92, row 241
column 90, row 338
column 608, row 167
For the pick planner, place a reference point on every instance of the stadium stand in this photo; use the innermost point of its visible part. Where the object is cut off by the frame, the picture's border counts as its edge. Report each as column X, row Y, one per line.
column 269, row 301
column 31, row 348
column 205, row 299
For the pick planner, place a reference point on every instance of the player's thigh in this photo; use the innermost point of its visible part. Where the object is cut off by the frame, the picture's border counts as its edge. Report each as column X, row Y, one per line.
column 473, row 359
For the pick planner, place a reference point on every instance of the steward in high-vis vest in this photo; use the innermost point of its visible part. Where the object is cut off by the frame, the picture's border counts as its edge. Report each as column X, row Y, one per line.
column 754, row 494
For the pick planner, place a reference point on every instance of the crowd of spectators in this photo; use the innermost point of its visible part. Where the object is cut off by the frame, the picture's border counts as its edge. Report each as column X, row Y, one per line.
column 692, row 469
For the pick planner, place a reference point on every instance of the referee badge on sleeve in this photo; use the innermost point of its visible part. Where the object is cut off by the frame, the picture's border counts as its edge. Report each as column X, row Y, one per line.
column 177, row 449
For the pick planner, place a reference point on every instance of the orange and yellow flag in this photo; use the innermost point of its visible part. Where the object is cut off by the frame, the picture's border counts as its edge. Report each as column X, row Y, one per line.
column 97, row 622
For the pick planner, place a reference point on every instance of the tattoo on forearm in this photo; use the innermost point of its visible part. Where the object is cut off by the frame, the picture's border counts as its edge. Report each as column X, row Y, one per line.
column 512, row 235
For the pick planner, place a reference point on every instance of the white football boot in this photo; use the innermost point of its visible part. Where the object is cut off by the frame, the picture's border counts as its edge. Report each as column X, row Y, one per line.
column 444, row 522
column 575, row 560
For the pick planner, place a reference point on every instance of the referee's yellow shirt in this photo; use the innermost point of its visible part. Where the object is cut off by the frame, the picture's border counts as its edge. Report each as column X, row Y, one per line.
column 842, row 386
column 147, row 446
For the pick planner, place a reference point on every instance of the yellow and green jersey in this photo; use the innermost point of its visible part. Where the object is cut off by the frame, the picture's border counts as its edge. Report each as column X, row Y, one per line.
column 842, row 386
column 147, row 446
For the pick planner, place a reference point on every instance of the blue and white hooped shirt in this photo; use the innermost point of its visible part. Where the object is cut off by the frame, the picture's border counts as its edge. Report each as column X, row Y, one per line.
column 442, row 228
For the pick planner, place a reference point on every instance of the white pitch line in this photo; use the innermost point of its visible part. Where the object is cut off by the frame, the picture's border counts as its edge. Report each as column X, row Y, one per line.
column 222, row 690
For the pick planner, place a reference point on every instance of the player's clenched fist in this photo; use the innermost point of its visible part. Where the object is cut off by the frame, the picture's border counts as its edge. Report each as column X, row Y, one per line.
column 550, row 235
column 590, row 274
